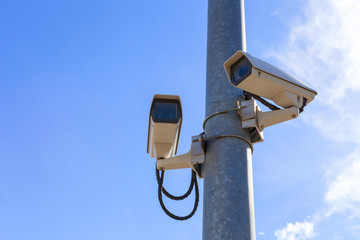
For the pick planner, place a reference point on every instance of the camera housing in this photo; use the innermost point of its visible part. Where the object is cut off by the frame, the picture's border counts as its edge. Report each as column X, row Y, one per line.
column 265, row 80
column 164, row 126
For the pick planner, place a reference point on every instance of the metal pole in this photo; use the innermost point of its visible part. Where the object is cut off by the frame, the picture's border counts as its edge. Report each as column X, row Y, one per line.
column 228, row 184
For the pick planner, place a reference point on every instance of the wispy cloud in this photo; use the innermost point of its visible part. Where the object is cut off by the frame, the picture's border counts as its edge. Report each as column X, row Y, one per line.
column 343, row 194
column 297, row 231
column 323, row 48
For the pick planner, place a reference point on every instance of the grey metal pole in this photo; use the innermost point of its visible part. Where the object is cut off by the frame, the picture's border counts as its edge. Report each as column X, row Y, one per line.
column 228, row 184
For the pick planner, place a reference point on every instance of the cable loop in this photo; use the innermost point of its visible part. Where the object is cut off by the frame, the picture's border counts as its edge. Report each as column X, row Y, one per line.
column 180, row 218
column 169, row 195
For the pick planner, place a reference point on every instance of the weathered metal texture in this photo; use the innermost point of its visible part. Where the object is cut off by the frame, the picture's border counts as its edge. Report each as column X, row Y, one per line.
column 228, row 183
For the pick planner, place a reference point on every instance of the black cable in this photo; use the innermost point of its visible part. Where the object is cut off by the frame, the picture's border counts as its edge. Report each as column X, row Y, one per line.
column 263, row 101
column 304, row 104
column 248, row 95
column 193, row 179
column 169, row 195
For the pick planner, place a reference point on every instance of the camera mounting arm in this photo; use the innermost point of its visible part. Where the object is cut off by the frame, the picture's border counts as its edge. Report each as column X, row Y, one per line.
column 267, row 119
column 176, row 162
column 193, row 159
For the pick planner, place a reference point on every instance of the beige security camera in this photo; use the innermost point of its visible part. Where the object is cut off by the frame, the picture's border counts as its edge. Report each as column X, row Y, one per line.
column 164, row 126
column 163, row 136
column 265, row 80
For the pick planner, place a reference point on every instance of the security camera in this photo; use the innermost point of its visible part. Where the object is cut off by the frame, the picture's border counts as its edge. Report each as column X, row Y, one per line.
column 163, row 137
column 164, row 126
column 262, row 79
column 265, row 80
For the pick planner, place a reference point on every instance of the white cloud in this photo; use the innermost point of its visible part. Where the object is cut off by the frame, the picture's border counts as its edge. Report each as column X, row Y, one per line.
column 323, row 49
column 297, row 231
column 342, row 198
column 343, row 194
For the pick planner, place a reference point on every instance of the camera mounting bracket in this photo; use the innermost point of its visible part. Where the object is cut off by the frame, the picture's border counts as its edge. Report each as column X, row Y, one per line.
column 252, row 117
column 193, row 159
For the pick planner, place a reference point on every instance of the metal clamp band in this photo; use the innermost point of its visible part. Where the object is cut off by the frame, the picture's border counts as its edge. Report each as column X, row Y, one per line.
column 216, row 113
column 232, row 136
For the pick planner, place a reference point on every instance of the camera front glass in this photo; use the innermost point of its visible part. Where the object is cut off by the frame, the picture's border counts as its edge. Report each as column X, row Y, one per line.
column 166, row 111
column 240, row 70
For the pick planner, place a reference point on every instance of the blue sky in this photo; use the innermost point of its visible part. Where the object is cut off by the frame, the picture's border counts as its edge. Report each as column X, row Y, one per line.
column 76, row 83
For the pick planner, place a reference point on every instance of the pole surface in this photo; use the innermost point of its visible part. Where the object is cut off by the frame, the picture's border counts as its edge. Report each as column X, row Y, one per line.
column 228, row 184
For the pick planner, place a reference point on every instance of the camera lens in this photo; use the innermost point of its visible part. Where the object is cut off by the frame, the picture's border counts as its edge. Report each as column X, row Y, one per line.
column 242, row 71
column 166, row 112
